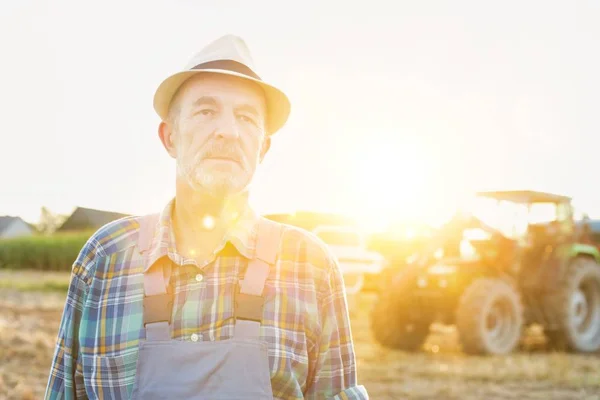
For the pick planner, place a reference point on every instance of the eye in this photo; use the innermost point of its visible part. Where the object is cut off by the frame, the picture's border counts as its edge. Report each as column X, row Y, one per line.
column 248, row 119
column 204, row 112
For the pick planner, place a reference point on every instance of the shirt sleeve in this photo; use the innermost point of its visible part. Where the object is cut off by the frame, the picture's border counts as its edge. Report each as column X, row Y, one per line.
column 334, row 376
column 66, row 377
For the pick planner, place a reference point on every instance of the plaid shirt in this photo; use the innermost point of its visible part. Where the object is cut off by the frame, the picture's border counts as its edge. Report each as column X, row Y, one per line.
column 305, row 321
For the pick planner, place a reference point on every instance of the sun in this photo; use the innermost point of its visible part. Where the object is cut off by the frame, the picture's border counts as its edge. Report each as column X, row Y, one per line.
column 390, row 184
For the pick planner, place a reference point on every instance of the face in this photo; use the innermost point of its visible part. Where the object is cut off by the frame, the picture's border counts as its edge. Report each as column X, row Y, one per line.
column 216, row 133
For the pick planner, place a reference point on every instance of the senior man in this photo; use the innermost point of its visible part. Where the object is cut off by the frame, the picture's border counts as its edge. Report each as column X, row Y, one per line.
column 207, row 300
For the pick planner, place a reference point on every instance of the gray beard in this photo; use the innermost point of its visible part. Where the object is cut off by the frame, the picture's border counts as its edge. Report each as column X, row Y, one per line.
column 217, row 183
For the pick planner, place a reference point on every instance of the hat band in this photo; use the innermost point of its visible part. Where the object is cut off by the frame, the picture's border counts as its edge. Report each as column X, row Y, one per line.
column 228, row 65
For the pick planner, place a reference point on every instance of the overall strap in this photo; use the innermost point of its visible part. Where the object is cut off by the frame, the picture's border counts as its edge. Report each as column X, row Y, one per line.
column 158, row 303
column 249, row 301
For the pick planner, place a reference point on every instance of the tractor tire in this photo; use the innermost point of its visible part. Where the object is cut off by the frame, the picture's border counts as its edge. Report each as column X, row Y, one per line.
column 576, row 303
column 391, row 324
column 489, row 317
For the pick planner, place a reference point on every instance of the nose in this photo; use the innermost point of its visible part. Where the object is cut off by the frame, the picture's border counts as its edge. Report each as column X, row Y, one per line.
column 228, row 127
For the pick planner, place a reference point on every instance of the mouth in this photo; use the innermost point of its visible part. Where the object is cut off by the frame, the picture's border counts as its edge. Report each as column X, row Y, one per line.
column 223, row 158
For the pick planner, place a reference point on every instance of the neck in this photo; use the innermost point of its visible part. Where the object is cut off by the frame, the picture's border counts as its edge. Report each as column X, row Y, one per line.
column 201, row 212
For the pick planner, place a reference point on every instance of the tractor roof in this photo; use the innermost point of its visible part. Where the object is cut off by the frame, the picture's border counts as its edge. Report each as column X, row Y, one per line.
column 525, row 196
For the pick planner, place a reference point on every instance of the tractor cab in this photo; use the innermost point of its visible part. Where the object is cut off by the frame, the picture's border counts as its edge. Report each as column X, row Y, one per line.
column 499, row 227
column 537, row 222
column 527, row 216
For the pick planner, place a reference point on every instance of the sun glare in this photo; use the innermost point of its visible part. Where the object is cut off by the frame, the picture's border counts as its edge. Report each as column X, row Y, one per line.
column 390, row 185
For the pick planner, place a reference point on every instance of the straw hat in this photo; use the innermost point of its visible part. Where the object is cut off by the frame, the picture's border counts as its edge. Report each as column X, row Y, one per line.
column 227, row 55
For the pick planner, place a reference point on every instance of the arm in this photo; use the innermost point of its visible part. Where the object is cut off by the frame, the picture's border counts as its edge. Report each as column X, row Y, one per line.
column 334, row 375
column 66, row 377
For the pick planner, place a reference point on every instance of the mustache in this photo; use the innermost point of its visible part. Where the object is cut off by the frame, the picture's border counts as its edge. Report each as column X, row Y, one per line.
column 224, row 150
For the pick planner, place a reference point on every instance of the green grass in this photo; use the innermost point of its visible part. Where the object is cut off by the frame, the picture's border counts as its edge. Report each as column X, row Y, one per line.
column 42, row 253
column 27, row 280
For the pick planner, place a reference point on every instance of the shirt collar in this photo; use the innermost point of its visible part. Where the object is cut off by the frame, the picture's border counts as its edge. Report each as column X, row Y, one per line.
column 241, row 234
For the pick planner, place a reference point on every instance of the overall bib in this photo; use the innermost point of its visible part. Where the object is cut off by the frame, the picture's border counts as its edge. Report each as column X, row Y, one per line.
column 232, row 369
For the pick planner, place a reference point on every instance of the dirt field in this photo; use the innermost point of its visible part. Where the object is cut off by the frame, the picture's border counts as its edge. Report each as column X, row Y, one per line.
column 29, row 320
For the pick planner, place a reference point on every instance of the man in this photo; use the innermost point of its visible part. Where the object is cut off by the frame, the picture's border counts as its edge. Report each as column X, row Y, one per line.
column 207, row 300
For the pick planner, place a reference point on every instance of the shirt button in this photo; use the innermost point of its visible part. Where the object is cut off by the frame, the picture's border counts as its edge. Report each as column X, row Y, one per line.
column 199, row 278
column 194, row 337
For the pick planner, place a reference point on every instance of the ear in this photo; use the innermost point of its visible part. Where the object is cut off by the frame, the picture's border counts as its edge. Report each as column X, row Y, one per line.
column 167, row 135
column 265, row 147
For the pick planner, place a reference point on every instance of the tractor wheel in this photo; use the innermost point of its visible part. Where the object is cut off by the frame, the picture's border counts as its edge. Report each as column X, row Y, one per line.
column 489, row 318
column 391, row 323
column 577, row 306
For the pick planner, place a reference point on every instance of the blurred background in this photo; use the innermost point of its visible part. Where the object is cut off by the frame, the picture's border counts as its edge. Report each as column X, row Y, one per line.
column 400, row 112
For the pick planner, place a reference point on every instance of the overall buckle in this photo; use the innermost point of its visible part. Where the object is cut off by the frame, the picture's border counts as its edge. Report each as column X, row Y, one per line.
column 248, row 307
column 157, row 308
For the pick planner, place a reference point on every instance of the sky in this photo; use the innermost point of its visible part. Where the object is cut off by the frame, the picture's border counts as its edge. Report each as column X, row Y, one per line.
column 399, row 109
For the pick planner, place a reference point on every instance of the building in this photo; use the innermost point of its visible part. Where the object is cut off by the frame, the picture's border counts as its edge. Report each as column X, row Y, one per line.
column 88, row 219
column 11, row 227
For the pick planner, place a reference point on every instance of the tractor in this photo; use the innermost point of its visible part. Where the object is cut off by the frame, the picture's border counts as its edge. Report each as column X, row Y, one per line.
column 511, row 260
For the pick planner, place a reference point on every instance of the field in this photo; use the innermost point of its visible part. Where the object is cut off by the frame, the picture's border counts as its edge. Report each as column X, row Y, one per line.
column 30, row 309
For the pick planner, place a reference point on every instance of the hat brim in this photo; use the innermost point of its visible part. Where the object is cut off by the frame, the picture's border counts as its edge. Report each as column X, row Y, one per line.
column 278, row 104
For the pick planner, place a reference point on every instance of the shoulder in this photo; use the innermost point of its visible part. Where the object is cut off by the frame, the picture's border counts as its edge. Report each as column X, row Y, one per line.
column 308, row 261
column 304, row 248
column 117, row 235
column 111, row 238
